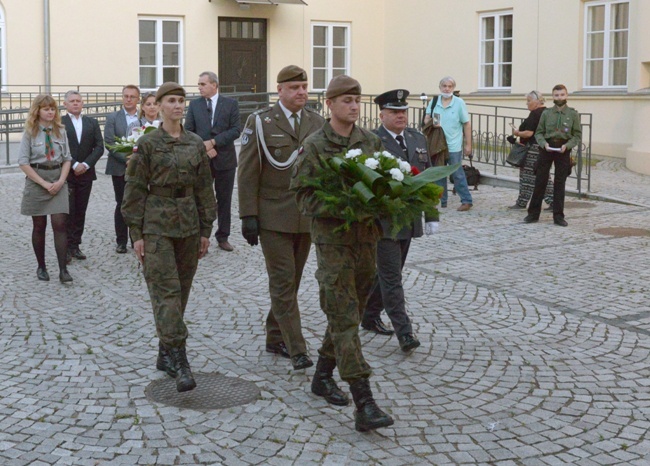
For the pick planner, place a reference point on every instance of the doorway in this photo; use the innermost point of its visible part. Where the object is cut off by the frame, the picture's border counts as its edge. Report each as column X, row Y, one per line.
column 242, row 54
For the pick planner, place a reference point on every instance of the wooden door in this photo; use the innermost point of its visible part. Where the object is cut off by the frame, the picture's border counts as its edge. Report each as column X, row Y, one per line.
column 242, row 54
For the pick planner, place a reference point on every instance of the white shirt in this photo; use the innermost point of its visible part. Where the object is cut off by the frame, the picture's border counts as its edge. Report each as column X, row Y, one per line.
column 214, row 99
column 288, row 114
column 132, row 121
column 78, row 128
column 394, row 135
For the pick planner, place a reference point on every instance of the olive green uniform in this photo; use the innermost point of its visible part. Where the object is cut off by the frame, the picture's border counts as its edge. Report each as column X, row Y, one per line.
column 169, row 202
column 263, row 187
column 346, row 260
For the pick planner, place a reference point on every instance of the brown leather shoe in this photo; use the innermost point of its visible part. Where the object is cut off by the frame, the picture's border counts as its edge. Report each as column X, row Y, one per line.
column 226, row 246
column 464, row 207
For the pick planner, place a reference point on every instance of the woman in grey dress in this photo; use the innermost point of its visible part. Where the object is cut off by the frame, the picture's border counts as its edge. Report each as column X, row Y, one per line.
column 45, row 158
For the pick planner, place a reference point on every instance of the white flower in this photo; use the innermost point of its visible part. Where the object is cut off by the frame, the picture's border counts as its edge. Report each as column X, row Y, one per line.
column 353, row 153
column 404, row 166
column 376, row 155
column 372, row 163
column 388, row 155
column 131, row 138
column 396, row 174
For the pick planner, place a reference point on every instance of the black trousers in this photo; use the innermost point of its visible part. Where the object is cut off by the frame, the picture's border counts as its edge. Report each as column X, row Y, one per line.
column 387, row 291
column 121, row 230
column 78, row 197
column 562, row 163
column 224, row 182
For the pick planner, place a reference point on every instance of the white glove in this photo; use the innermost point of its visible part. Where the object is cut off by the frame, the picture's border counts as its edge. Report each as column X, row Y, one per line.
column 431, row 227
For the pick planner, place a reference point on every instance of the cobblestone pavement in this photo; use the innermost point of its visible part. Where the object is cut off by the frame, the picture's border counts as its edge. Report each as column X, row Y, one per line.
column 535, row 346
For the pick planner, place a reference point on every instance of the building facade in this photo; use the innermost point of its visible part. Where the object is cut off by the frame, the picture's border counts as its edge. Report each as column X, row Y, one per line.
column 497, row 50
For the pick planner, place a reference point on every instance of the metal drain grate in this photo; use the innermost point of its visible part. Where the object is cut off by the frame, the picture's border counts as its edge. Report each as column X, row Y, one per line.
column 213, row 391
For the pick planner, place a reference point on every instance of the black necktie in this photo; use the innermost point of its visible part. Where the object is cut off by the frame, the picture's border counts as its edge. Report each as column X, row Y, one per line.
column 400, row 140
column 210, row 108
column 296, row 123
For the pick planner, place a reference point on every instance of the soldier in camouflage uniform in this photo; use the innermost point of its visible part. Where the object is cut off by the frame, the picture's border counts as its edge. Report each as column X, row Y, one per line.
column 346, row 260
column 170, row 207
column 269, row 148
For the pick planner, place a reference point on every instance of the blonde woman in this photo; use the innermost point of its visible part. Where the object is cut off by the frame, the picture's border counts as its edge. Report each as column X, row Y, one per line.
column 149, row 110
column 526, row 134
column 45, row 158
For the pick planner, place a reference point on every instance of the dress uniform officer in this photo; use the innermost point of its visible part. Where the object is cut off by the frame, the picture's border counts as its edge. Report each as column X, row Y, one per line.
column 407, row 144
column 269, row 149
column 346, row 259
column 170, row 207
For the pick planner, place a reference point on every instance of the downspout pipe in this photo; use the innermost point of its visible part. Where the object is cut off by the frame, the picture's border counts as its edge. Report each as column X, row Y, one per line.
column 46, row 35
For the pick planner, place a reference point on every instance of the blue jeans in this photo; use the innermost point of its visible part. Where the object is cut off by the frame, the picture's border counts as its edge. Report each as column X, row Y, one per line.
column 460, row 182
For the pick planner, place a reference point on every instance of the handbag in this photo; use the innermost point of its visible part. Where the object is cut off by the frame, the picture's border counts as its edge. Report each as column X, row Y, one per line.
column 517, row 155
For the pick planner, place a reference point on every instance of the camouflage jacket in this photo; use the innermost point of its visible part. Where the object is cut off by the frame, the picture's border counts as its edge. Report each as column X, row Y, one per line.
column 326, row 143
column 163, row 161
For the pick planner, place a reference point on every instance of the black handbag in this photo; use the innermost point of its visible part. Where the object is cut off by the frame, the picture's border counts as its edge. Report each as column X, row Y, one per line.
column 517, row 155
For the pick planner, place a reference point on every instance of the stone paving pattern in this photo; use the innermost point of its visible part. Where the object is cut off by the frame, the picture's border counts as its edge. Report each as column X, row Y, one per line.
column 535, row 346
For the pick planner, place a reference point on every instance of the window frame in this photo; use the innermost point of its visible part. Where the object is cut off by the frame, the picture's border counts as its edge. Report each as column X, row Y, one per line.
column 329, row 69
column 3, row 49
column 159, row 66
column 607, row 31
column 497, row 73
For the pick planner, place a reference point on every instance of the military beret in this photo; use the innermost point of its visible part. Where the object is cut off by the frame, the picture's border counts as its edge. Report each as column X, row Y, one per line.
column 342, row 84
column 395, row 99
column 291, row 73
column 169, row 88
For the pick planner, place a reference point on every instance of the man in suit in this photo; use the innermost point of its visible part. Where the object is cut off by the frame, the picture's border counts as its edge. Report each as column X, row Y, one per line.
column 387, row 292
column 215, row 119
column 86, row 147
column 269, row 148
column 120, row 124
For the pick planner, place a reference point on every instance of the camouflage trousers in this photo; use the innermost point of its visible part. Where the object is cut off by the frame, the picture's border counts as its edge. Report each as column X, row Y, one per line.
column 169, row 268
column 345, row 274
column 285, row 255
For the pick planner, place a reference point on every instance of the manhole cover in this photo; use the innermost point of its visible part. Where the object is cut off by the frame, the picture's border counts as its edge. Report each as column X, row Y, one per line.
column 213, row 391
column 578, row 205
column 621, row 232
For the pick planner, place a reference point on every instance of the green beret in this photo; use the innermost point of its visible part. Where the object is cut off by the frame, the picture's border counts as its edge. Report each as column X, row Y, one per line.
column 291, row 73
column 169, row 88
column 342, row 84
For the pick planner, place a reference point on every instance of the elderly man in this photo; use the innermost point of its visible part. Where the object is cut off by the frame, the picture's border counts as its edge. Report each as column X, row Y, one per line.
column 215, row 119
column 406, row 144
column 120, row 124
column 86, row 147
column 346, row 259
column 450, row 112
column 269, row 149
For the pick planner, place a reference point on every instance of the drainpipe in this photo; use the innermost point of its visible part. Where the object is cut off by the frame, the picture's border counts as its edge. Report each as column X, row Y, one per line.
column 46, row 34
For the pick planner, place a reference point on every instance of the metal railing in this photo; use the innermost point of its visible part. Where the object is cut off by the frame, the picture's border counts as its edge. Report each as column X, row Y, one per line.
column 490, row 124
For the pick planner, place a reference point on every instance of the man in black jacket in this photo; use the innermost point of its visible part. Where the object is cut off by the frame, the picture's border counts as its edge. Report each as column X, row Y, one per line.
column 86, row 146
column 215, row 119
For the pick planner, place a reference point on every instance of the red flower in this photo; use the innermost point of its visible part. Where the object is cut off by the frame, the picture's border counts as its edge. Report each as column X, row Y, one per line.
column 414, row 170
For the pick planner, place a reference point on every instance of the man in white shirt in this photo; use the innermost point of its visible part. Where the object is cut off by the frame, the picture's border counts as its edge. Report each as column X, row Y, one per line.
column 86, row 147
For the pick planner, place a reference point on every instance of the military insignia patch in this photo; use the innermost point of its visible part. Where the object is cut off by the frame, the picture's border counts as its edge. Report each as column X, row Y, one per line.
column 244, row 139
column 248, row 131
column 267, row 120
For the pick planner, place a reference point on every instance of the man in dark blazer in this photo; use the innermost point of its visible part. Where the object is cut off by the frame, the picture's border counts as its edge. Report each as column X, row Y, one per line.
column 387, row 292
column 268, row 209
column 215, row 119
column 86, row 147
column 120, row 124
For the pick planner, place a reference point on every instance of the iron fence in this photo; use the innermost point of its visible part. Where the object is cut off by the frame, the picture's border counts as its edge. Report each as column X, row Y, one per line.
column 490, row 124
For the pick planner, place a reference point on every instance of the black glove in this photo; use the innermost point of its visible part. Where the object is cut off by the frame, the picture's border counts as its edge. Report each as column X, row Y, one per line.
column 250, row 229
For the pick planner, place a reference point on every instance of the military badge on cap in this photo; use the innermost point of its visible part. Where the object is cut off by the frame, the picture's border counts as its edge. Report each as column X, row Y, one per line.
column 395, row 99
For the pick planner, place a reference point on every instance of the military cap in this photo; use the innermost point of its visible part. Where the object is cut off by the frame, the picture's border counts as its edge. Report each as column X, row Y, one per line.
column 169, row 88
column 395, row 99
column 291, row 73
column 342, row 84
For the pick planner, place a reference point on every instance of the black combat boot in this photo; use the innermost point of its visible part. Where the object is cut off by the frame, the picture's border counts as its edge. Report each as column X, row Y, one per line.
column 164, row 362
column 184, row 379
column 324, row 385
column 367, row 416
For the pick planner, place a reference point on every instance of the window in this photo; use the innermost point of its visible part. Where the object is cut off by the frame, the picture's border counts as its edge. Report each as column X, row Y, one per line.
column 3, row 51
column 495, row 63
column 161, row 57
column 330, row 53
column 606, row 43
